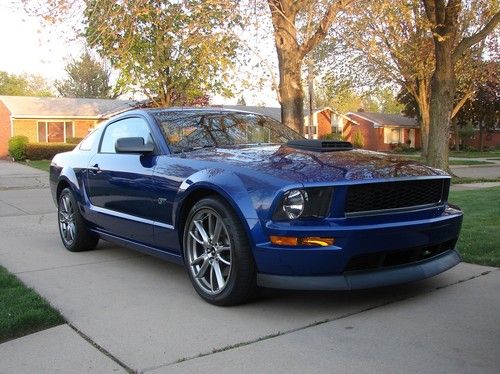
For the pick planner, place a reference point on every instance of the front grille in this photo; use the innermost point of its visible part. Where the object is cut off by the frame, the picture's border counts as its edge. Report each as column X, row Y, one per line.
column 395, row 195
column 370, row 261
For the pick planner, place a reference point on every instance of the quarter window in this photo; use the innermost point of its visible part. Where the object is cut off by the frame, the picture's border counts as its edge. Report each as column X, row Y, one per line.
column 87, row 143
column 125, row 128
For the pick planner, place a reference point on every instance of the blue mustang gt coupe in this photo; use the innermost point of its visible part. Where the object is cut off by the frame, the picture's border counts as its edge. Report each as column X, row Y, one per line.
column 243, row 201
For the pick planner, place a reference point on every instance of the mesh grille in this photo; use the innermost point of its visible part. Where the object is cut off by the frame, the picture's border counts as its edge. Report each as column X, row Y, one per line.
column 377, row 260
column 394, row 195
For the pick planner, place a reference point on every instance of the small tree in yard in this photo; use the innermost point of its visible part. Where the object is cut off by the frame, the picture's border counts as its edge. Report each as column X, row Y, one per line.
column 87, row 78
column 358, row 141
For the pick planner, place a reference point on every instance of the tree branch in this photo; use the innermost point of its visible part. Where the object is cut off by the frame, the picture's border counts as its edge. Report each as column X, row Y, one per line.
column 461, row 103
column 468, row 42
column 323, row 27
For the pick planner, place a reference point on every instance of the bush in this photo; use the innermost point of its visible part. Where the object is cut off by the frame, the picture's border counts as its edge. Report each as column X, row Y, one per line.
column 71, row 140
column 332, row 136
column 357, row 140
column 46, row 151
column 17, row 147
column 403, row 148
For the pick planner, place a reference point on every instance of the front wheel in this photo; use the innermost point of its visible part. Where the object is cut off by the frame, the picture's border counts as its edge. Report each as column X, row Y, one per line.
column 72, row 227
column 217, row 253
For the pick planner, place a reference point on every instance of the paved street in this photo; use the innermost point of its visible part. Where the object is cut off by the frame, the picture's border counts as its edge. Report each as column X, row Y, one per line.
column 477, row 171
column 127, row 311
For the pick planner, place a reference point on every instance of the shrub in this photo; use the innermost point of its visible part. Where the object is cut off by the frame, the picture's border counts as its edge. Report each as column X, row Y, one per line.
column 402, row 148
column 46, row 151
column 17, row 147
column 357, row 140
column 71, row 140
column 332, row 136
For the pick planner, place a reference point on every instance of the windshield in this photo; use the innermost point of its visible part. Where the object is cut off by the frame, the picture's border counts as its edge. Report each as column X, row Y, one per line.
column 190, row 130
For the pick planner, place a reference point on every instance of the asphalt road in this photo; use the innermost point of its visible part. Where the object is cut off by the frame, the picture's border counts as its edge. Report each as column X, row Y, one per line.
column 136, row 313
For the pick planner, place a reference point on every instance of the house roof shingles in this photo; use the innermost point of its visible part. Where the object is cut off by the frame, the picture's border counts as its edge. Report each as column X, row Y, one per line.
column 386, row 119
column 32, row 107
column 273, row 112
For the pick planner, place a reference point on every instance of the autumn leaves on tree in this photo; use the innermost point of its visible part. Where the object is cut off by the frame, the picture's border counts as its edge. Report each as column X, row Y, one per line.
column 179, row 52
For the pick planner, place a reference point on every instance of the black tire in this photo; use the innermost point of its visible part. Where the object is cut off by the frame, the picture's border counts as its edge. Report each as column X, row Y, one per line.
column 238, row 278
column 72, row 227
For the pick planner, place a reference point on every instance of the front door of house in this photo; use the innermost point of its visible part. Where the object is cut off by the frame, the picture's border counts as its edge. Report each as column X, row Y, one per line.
column 412, row 138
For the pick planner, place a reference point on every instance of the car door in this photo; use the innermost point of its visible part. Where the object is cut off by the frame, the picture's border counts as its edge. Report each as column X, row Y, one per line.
column 120, row 185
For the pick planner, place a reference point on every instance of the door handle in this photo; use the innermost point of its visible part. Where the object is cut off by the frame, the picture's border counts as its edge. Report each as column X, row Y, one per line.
column 95, row 169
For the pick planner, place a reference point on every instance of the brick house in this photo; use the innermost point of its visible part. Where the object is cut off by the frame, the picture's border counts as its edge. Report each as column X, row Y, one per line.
column 381, row 131
column 491, row 139
column 321, row 124
column 49, row 119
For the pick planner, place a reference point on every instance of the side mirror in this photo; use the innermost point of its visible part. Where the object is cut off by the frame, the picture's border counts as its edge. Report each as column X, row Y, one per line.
column 133, row 145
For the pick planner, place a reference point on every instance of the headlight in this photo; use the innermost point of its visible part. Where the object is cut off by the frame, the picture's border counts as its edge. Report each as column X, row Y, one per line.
column 294, row 203
column 304, row 203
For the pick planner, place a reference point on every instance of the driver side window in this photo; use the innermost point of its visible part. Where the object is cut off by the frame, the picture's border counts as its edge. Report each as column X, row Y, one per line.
column 125, row 128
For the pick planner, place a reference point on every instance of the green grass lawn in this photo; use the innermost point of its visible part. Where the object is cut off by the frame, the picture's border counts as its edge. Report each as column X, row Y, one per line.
column 475, row 154
column 479, row 241
column 39, row 164
column 22, row 310
column 451, row 162
column 469, row 162
column 463, row 180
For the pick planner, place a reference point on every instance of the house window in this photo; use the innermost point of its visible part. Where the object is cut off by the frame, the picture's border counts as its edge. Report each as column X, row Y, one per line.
column 54, row 132
column 314, row 130
column 393, row 135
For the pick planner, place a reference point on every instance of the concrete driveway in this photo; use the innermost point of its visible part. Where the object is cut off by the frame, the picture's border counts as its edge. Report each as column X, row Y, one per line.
column 136, row 313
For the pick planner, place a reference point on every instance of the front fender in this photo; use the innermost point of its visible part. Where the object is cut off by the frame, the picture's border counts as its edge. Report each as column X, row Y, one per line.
column 231, row 188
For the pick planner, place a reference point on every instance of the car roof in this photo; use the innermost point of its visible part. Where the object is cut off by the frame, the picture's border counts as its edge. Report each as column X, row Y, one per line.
column 207, row 110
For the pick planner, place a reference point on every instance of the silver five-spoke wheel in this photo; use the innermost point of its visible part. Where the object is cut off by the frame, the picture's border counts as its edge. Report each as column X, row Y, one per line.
column 209, row 251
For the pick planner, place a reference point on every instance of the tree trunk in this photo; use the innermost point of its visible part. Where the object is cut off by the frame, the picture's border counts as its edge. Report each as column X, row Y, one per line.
column 423, row 108
column 291, row 95
column 481, row 135
column 441, row 105
column 290, row 90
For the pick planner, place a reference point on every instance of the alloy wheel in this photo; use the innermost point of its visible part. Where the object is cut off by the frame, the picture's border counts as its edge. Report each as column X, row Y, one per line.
column 209, row 251
column 67, row 221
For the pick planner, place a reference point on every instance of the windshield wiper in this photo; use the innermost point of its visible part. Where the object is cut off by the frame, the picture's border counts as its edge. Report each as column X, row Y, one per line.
column 190, row 149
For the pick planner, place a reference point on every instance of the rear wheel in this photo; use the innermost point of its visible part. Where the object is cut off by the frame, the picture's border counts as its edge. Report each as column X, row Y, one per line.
column 217, row 253
column 72, row 227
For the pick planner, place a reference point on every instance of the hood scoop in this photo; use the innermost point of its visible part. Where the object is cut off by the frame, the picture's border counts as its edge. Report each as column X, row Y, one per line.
column 320, row 145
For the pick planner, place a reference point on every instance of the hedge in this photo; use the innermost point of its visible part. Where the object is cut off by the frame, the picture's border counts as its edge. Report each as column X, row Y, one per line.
column 46, row 151
column 17, row 147
column 73, row 140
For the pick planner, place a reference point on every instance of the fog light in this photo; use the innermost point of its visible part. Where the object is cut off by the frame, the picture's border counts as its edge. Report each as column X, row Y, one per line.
column 309, row 241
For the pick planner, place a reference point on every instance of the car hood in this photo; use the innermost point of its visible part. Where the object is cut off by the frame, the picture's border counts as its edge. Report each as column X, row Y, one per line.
column 303, row 166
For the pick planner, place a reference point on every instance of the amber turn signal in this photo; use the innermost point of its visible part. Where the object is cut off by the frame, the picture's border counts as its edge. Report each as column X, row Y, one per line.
column 293, row 241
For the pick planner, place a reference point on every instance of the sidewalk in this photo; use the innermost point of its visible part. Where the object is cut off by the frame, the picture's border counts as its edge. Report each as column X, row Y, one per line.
column 124, row 307
column 58, row 349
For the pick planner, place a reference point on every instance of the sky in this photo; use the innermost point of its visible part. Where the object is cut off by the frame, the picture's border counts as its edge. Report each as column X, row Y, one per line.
column 28, row 47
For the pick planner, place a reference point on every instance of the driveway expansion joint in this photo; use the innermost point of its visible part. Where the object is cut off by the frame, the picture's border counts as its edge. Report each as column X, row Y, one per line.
column 102, row 349
column 77, row 265
column 313, row 324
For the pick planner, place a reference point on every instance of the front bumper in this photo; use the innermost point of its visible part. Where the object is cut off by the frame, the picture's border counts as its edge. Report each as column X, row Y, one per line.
column 364, row 279
column 355, row 238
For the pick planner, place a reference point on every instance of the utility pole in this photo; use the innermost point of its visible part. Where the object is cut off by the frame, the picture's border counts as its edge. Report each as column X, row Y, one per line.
column 310, row 81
